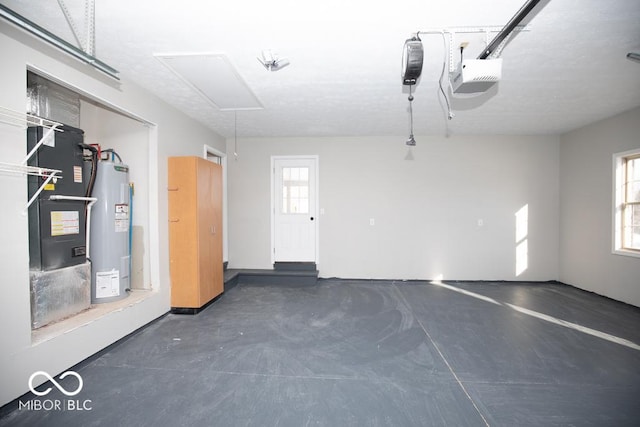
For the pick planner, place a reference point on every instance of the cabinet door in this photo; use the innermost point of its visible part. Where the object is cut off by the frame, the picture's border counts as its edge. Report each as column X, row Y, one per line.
column 195, row 231
column 210, row 230
column 182, row 232
column 205, row 230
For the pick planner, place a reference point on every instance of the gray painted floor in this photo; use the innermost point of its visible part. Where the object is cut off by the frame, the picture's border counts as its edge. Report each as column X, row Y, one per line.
column 366, row 353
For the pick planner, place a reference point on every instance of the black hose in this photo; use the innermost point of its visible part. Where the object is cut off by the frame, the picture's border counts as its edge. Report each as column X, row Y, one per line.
column 92, row 178
column 94, row 167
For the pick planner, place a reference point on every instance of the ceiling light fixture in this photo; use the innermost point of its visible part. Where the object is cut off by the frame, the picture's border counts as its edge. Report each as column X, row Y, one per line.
column 271, row 61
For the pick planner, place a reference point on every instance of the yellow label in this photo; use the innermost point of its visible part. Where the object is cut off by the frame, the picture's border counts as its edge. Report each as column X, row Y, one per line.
column 50, row 187
column 65, row 222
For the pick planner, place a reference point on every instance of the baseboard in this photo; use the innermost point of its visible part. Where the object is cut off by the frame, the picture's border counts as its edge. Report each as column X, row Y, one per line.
column 193, row 310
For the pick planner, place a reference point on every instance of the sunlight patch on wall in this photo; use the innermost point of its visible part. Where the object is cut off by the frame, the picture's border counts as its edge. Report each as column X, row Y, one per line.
column 522, row 243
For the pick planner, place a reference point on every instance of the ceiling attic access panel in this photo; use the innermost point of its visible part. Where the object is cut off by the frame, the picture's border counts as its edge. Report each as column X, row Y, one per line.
column 214, row 77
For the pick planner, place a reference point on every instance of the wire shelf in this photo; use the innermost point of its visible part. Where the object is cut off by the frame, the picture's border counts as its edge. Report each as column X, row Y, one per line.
column 27, row 170
column 16, row 118
column 25, row 120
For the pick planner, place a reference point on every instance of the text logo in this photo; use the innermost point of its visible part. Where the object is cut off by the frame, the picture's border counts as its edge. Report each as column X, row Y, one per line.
column 55, row 383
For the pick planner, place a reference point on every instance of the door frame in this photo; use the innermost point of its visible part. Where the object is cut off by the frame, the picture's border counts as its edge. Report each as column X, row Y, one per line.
column 316, row 160
column 209, row 152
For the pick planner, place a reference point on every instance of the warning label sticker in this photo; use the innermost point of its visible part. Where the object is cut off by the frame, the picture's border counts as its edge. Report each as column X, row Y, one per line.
column 107, row 284
column 77, row 174
column 122, row 218
column 65, row 222
column 122, row 211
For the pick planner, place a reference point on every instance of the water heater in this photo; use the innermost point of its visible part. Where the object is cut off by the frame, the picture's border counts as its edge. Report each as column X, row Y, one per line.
column 109, row 237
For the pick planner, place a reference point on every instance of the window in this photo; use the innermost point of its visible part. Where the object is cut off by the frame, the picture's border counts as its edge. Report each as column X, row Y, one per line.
column 627, row 203
column 295, row 190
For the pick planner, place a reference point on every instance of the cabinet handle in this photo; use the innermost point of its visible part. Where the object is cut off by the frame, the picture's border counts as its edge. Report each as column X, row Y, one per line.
column 213, row 229
column 172, row 188
column 174, row 220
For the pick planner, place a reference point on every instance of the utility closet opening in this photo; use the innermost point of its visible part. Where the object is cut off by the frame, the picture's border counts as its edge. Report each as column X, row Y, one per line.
column 89, row 222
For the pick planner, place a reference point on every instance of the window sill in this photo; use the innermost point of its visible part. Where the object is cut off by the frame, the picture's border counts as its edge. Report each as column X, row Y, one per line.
column 626, row 252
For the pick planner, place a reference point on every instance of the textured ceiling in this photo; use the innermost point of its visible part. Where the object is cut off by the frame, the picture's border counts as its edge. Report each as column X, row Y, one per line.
column 569, row 70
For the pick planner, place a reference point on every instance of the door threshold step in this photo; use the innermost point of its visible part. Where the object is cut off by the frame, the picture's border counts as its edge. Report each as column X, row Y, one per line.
column 294, row 266
column 270, row 277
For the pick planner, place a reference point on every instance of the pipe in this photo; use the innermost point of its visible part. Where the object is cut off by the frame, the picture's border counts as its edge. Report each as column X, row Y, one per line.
column 91, row 201
column 511, row 25
column 113, row 155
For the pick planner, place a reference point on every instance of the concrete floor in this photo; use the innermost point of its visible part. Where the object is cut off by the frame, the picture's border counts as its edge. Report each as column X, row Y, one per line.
column 369, row 353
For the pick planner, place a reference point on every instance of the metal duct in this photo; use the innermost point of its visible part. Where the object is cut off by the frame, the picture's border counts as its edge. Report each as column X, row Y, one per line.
column 38, row 31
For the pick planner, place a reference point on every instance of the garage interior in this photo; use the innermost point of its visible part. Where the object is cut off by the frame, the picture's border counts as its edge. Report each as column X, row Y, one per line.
column 332, row 214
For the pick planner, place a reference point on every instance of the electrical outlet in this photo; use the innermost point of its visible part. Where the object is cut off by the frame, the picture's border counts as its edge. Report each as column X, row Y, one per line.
column 372, row 221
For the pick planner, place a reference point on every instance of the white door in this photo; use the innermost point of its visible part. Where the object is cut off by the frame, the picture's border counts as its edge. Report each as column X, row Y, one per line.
column 294, row 209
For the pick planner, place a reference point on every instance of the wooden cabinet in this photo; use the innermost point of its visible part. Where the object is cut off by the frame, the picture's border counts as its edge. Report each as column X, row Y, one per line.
column 195, row 231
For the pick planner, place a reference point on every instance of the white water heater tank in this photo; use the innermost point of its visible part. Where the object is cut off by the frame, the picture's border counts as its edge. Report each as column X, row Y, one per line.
column 109, row 244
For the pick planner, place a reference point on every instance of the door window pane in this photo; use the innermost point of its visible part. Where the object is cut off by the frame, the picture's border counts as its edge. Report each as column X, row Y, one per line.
column 295, row 190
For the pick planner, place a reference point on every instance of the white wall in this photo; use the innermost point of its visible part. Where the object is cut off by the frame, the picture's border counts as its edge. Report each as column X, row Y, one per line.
column 586, row 183
column 175, row 134
column 426, row 211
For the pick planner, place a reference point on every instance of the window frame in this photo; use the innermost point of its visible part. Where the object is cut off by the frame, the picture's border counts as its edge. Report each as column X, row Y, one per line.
column 620, row 202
